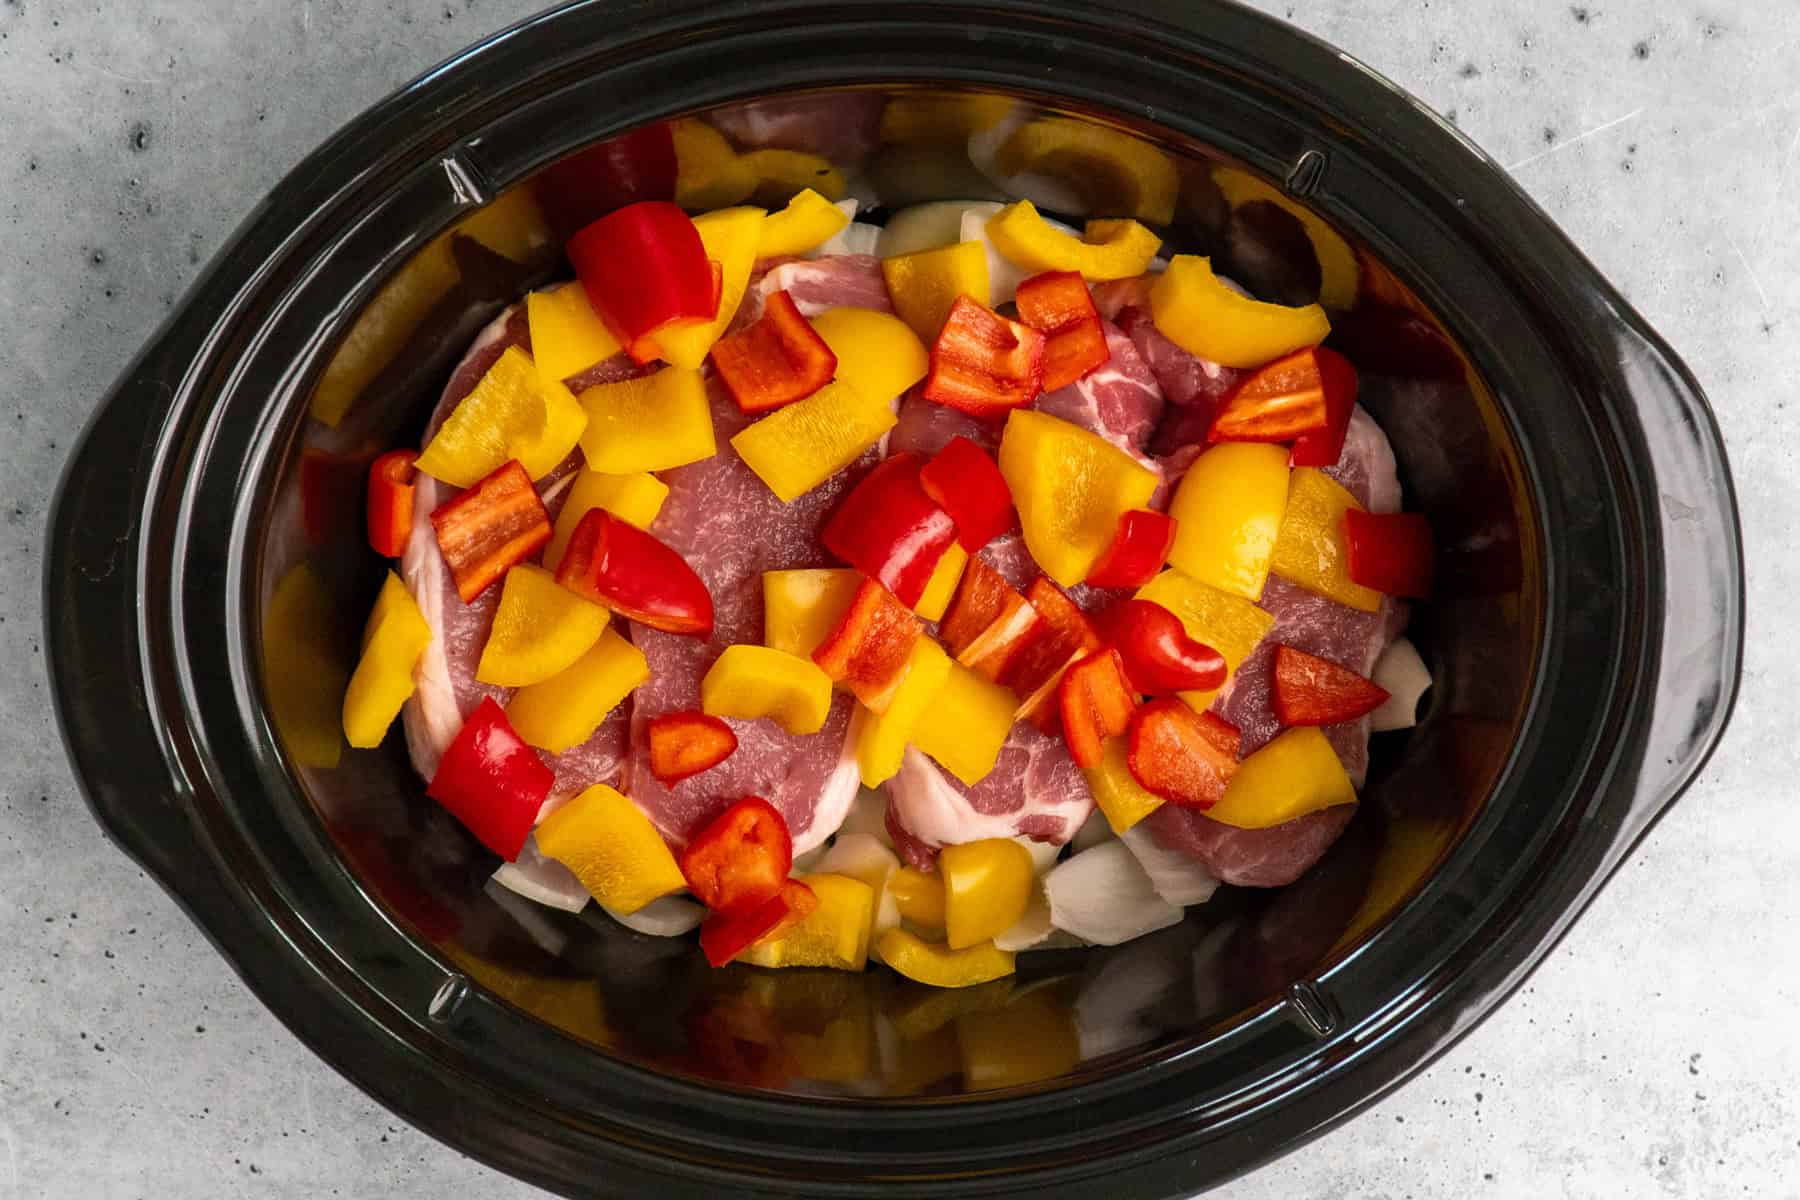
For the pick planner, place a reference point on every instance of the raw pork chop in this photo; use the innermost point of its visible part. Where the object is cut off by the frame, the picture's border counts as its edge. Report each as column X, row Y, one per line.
column 816, row 284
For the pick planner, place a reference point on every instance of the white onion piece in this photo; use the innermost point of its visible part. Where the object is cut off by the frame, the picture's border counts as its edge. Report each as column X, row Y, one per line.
column 806, row 864
column 1004, row 275
column 536, row 925
column 1093, row 831
column 537, row 877
column 1176, row 877
column 1043, row 854
column 1103, row 896
column 854, row 238
column 928, row 226
column 1402, row 674
column 868, row 814
column 670, row 916
column 1045, row 191
column 1035, row 931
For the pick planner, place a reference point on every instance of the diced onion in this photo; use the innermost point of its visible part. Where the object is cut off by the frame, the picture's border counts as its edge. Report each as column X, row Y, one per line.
column 1176, row 877
column 858, row 237
column 929, row 226
column 671, row 916
column 536, row 925
column 1103, row 896
column 1402, row 674
column 542, row 879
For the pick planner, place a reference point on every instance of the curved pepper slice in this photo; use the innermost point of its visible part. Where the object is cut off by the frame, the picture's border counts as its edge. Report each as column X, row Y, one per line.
column 871, row 646
column 924, row 286
column 645, row 269
column 1390, row 552
column 512, row 413
column 808, row 221
column 1229, row 624
column 775, row 360
column 747, row 682
column 1283, row 401
column 800, row 608
column 612, row 847
column 883, row 738
column 890, row 528
column 919, row 897
column 730, row 237
column 835, row 934
column 1109, row 249
column 965, row 481
column 1311, row 548
column 796, row 448
column 1310, row 690
column 780, row 175
column 564, row 710
column 964, row 728
column 394, row 638
column 1228, row 512
column 1096, row 701
column 983, row 364
column 635, row 498
column 987, row 885
column 1197, row 312
column 1158, row 655
column 567, row 335
column 1138, row 550
column 539, row 630
column 1338, row 269
column 1112, row 170
column 988, row 622
column 878, row 354
column 940, row 966
column 1036, row 671
column 491, row 781
column 486, row 530
column 683, row 744
column 1071, row 487
column 725, row 935
column 1181, row 755
column 1058, row 305
column 636, row 575
column 391, row 490
column 942, row 586
column 651, row 423
column 1296, row 774
column 741, row 858
column 1337, row 379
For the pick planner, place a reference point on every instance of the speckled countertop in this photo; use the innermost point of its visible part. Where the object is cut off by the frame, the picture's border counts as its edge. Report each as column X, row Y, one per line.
column 1654, row 1054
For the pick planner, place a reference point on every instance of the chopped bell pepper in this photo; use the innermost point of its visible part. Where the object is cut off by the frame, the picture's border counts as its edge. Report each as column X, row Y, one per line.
column 797, row 448
column 1058, row 305
column 1108, row 249
column 513, row 413
column 1229, row 624
column 709, row 173
column 878, row 354
column 1138, row 550
column 1038, row 668
column 801, row 607
column 808, row 221
column 870, row 648
column 1197, row 312
column 939, row 966
column 988, row 622
column 987, row 885
column 1296, row 774
column 491, row 781
column 651, row 423
column 775, row 360
column 864, row 856
column 883, row 739
column 567, row 335
column 1311, row 549
column 564, row 710
column 635, row 498
column 1071, row 488
column 683, row 744
column 1158, row 655
column 394, row 638
column 966, row 483
column 1184, row 756
column 725, row 935
column 730, row 237
column 612, row 847
column 614, row 563
column 1228, row 512
column 1390, row 552
column 747, row 682
column 964, row 729
column 1095, row 700
column 1338, row 270
column 983, row 364
column 1281, row 402
column 919, row 897
column 1112, row 170
column 1314, row 691
column 639, row 165
column 1122, row 799
column 1337, row 379
column 944, row 579
column 741, row 858
column 645, row 269
column 890, row 529
column 926, row 285
column 540, row 629
column 835, row 934
column 391, row 502
column 486, row 530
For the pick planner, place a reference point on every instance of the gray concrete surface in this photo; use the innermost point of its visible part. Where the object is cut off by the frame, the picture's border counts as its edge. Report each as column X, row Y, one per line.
column 1655, row 1055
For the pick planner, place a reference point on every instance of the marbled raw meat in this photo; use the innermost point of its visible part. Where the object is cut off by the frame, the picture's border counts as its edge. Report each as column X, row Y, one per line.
column 816, row 284
column 925, row 427
column 1120, row 400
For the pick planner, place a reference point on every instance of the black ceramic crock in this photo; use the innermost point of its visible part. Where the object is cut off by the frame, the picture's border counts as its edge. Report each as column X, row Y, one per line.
column 1585, row 645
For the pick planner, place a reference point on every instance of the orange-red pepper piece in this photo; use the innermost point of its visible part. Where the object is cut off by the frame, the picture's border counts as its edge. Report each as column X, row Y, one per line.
column 613, row 562
column 1314, row 691
column 1038, row 666
column 725, row 935
column 1096, row 702
column 983, row 364
column 988, row 622
column 871, row 646
column 495, row 524
column 1058, row 305
column 1281, row 402
column 391, row 502
column 741, row 858
column 775, row 360
column 683, row 744
column 1186, row 757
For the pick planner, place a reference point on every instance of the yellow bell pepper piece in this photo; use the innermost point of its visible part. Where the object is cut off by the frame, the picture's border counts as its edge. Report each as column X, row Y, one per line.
column 1311, row 550
column 1296, row 774
column 392, row 641
column 940, row 966
column 1228, row 512
column 835, row 934
column 1338, row 270
column 567, row 335
column 1115, row 172
column 987, row 885
column 731, row 237
column 514, row 412
column 709, row 173
column 941, row 118
column 612, row 847
column 636, row 498
column 884, row 736
column 796, row 448
column 780, row 175
column 1030, row 1040
column 1229, row 624
column 1107, row 250
column 878, row 354
column 747, row 682
column 935, row 599
column 800, row 608
column 923, row 286
column 863, row 856
column 304, row 668
column 1197, row 312
column 968, row 723
column 1071, row 487
column 565, row 709
column 648, row 424
column 919, row 897
column 1120, row 796
column 808, row 221
column 540, row 629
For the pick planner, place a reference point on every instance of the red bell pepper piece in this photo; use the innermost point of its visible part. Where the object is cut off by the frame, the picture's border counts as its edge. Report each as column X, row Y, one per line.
column 1138, row 551
column 687, row 743
column 495, row 524
column 1059, row 305
column 492, row 781
column 725, row 935
column 890, row 529
column 645, row 268
column 740, row 859
column 1337, row 379
column 984, row 364
column 1279, row 402
column 967, row 483
column 775, row 360
column 871, row 647
column 1314, row 691
column 1390, row 552
column 391, row 502
column 1038, row 666
column 590, row 183
column 1159, row 656
column 1183, row 756
column 613, row 562
column 1096, row 702
column 988, row 622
